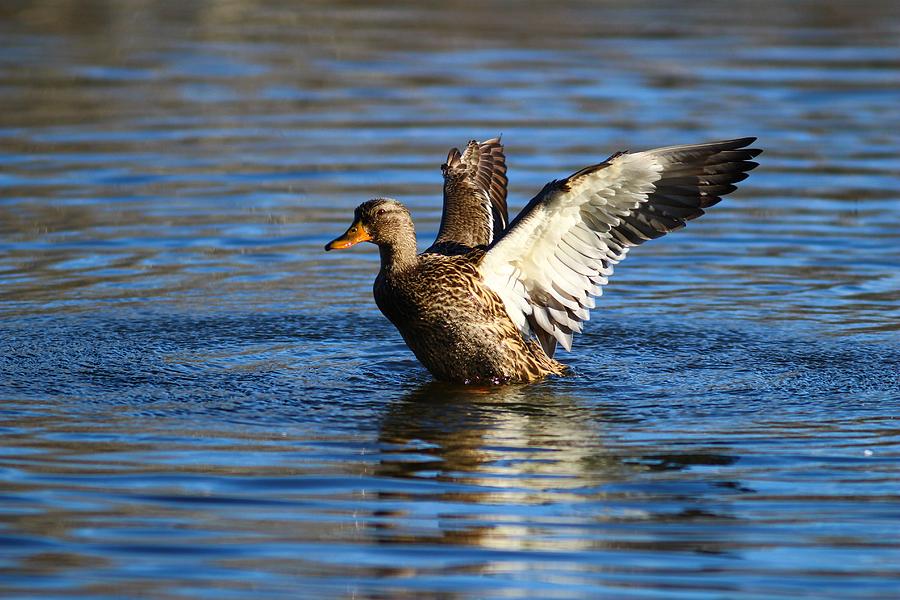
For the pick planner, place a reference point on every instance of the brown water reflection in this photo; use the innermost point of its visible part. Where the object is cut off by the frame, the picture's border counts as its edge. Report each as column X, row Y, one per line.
column 517, row 447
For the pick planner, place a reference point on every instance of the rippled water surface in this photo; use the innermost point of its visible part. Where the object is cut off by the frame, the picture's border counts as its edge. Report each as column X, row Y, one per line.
column 197, row 402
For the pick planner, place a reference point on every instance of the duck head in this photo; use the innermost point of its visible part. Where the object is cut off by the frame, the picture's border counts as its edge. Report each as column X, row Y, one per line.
column 381, row 221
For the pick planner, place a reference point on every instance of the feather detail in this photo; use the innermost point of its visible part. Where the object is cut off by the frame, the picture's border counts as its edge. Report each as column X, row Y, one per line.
column 475, row 210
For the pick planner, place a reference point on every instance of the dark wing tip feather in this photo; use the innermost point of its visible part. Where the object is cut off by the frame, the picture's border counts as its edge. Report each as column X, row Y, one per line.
column 694, row 178
column 744, row 141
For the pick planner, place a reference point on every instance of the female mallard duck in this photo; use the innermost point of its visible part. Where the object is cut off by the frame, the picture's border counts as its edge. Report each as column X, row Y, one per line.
column 471, row 305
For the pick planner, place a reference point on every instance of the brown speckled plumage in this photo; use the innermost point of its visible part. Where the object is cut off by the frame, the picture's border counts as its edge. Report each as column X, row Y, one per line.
column 471, row 305
column 457, row 326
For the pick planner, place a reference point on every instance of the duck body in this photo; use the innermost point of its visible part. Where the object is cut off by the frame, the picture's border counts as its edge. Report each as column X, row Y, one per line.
column 455, row 325
column 490, row 300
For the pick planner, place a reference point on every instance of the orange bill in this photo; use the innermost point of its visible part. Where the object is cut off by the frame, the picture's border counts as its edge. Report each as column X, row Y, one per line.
column 356, row 234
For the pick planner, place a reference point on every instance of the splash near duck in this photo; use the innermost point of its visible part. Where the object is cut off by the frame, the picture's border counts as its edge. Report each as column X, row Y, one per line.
column 490, row 300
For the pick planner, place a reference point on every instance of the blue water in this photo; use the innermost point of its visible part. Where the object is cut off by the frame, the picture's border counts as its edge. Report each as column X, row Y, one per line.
column 197, row 402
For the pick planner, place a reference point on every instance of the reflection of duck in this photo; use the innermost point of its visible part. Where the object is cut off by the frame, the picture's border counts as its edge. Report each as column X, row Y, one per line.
column 493, row 466
column 500, row 455
column 468, row 306
column 486, row 435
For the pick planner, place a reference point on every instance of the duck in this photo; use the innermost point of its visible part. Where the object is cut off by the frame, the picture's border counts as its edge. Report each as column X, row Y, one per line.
column 490, row 300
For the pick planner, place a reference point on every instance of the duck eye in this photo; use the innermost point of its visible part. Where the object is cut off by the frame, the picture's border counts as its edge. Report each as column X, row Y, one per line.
column 379, row 212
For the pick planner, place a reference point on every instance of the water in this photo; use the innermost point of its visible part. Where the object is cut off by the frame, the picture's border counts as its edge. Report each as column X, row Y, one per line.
column 197, row 402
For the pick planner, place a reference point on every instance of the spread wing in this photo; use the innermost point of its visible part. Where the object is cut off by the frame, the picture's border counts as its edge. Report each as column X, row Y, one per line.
column 474, row 197
column 550, row 263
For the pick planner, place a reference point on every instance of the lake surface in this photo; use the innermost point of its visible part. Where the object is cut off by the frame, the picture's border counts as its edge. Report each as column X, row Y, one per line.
column 197, row 402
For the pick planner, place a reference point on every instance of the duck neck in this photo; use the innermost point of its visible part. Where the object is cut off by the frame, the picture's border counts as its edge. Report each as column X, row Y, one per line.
column 399, row 253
